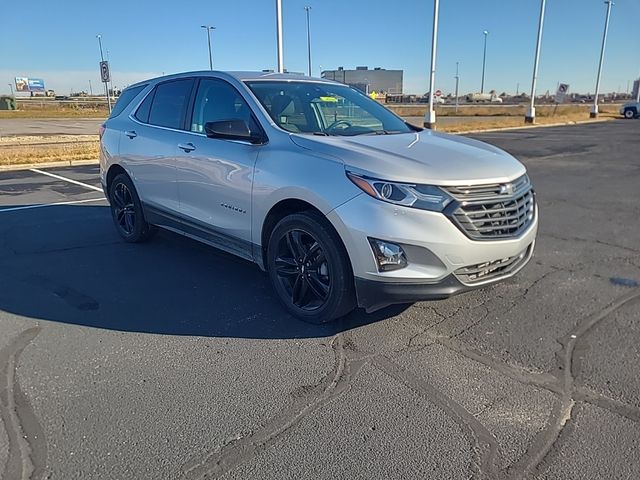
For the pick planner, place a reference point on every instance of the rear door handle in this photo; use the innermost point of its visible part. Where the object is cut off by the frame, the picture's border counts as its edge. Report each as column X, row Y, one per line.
column 187, row 147
column 131, row 134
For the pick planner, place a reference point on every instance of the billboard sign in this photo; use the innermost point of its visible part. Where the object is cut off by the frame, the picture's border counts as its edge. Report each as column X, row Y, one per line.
column 25, row 84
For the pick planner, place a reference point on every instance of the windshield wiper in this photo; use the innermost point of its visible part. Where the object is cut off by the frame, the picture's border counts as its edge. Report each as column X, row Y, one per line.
column 378, row 132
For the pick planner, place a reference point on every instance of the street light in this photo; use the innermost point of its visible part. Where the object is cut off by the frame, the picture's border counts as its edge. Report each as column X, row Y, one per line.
column 308, row 9
column 430, row 114
column 279, row 36
column 594, row 109
column 111, row 90
column 106, row 86
column 208, row 28
column 484, row 60
column 457, row 81
column 530, row 116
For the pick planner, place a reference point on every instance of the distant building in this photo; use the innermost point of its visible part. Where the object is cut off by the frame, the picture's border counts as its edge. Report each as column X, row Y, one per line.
column 376, row 80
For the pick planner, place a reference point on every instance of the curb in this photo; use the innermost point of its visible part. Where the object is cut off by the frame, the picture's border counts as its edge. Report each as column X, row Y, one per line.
column 59, row 163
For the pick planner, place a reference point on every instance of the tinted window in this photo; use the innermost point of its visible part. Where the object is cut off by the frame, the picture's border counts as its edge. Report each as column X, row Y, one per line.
column 142, row 113
column 217, row 100
column 170, row 102
column 125, row 99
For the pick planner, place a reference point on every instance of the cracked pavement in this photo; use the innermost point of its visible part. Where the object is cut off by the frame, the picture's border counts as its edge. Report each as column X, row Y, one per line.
column 173, row 360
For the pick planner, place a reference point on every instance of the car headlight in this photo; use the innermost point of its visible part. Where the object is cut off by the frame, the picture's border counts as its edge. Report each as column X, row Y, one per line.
column 424, row 197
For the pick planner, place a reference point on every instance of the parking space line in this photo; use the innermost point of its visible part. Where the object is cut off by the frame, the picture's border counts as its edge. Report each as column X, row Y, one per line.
column 59, row 177
column 42, row 205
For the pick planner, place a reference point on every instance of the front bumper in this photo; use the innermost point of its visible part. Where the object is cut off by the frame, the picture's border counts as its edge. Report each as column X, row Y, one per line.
column 441, row 258
column 374, row 295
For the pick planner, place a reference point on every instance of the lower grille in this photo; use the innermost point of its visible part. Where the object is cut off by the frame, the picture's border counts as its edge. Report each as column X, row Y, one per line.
column 494, row 269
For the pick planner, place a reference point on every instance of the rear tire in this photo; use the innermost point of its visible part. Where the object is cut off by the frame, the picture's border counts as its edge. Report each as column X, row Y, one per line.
column 309, row 268
column 126, row 211
column 629, row 113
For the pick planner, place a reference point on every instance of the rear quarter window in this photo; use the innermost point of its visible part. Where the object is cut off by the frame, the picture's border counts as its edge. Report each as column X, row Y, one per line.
column 125, row 99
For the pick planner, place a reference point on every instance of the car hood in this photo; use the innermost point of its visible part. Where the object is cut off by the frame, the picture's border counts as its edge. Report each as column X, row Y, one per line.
column 421, row 157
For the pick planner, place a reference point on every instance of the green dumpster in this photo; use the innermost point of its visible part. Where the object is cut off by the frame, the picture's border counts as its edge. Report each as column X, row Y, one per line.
column 7, row 102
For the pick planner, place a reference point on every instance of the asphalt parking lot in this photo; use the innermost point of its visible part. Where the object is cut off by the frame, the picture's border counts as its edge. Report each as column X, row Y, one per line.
column 173, row 360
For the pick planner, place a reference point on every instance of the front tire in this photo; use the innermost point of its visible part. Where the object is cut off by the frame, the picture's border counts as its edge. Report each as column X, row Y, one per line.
column 629, row 113
column 309, row 268
column 126, row 211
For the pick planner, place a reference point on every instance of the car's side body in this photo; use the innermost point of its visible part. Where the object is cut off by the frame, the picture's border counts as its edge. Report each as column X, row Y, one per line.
column 231, row 194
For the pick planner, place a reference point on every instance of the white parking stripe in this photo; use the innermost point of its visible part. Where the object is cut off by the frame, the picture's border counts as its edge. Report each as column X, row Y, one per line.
column 85, row 185
column 42, row 205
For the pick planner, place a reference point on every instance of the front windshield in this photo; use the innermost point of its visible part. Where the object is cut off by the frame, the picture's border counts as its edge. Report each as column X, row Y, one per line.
column 325, row 109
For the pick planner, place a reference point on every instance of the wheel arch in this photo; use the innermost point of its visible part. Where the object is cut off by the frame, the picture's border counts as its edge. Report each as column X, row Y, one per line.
column 280, row 210
column 114, row 170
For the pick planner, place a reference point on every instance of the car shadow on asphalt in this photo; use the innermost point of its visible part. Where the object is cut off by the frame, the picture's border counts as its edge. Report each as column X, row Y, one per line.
column 66, row 264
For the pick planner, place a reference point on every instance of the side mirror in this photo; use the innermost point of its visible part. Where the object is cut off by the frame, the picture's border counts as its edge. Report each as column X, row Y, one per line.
column 232, row 130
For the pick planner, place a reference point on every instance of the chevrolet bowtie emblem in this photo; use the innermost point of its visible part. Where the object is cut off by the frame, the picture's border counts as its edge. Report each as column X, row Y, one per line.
column 506, row 189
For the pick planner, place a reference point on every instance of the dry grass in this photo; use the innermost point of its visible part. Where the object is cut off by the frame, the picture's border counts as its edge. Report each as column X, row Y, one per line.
column 26, row 150
column 502, row 110
column 56, row 113
column 48, row 109
column 505, row 122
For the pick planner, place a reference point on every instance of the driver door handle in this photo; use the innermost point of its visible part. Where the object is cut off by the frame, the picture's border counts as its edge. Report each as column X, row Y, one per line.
column 131, row 133
column 187, row 147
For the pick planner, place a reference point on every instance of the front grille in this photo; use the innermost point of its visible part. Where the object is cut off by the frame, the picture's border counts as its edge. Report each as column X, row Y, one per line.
column 493, row 211
column 494, row 269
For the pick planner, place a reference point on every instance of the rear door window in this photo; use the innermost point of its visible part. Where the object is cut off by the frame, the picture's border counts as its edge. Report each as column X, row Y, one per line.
column 170, row 103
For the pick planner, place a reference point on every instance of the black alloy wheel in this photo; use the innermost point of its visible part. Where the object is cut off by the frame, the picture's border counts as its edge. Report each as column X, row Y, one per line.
column 302, row 269
column 126, row 210
column 309, row 268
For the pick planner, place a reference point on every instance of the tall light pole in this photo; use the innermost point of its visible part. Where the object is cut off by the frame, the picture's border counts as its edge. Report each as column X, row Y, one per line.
column 106, row 86
column 90, row 89
column 484, row 60
column 208, row 28
column 594, row 109
column 111, row 90
column 530, row 116
column 457, row 81
column 637, row 91
column 308, row 10
column 279, row 36
column 430, row 115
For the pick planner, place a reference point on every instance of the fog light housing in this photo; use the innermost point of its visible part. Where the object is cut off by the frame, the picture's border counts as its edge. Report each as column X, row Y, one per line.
column 389, row 256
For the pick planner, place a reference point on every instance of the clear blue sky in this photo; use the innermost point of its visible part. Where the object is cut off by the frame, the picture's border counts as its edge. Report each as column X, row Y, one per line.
column 56, row 41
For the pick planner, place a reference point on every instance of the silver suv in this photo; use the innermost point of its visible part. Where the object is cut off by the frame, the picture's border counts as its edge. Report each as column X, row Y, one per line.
column 342, row 202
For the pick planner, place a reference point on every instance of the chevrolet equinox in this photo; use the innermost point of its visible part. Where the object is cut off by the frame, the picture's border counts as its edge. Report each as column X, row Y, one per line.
column 342, row 202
